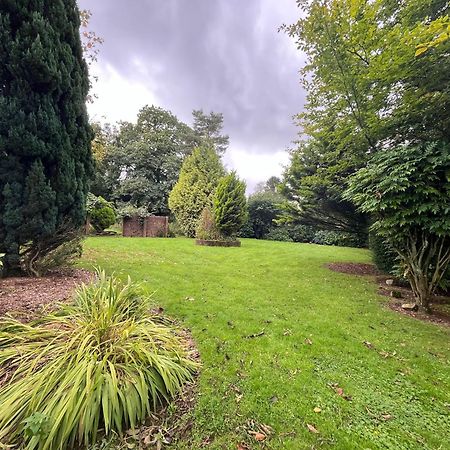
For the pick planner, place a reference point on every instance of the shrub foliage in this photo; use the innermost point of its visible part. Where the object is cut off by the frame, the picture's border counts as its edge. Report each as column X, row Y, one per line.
column 207, row 229
column 407, row 190
column 99, row 363
column 101, row 213
column 230, row 205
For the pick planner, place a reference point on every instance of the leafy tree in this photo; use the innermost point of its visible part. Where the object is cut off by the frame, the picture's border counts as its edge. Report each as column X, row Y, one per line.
column 230, row 205
column 407, row 190
column 263, row 209
column 367, row 90
column 45, row 136
column 143, row 161
column 194, row 190
column 208, row 129
column 106, row 173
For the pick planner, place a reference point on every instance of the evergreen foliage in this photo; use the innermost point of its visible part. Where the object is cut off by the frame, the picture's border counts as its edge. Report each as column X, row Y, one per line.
column 208, row 130
column 45, row 157
column 194, row 190
column 230, row 205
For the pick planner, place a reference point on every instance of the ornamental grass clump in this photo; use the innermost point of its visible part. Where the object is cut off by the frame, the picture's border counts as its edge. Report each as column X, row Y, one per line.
column 99, row 365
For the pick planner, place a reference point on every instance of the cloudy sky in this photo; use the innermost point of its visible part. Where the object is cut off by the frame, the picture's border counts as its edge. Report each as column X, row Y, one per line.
column 217, row 55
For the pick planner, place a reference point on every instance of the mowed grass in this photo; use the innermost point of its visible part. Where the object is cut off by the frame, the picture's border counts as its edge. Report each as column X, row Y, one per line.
column 392, row 393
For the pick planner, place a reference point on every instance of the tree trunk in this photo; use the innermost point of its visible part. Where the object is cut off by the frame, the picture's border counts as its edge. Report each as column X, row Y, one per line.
column 425, row 258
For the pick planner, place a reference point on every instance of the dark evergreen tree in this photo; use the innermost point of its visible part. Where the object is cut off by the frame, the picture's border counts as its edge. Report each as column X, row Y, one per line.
column 45, row 156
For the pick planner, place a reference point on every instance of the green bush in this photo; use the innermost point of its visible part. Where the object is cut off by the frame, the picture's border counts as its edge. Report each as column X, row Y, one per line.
column 230, row 205
column 338, row 238
column 207, row 229
column 101, row 213
column 101, row 363
column 300, row 233
column 278, row 234
column 383, row 256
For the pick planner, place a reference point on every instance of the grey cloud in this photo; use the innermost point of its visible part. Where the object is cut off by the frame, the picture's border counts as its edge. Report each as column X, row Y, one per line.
column 220, row 55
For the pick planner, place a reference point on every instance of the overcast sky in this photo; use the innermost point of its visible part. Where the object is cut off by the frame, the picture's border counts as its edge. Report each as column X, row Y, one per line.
column 217, row 55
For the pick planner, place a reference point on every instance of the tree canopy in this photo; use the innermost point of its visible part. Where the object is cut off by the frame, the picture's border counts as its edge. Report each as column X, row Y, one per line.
column 367, row 89
column 142, row 161
column 208, row 129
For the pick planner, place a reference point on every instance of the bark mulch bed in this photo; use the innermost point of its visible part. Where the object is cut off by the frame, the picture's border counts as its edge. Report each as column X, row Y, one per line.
column 440, row 305
column 26, row 295
column 354, row 268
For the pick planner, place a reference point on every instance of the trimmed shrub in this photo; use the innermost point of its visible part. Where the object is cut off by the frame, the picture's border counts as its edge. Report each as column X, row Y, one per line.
column 383, row 256
column 101, row 363
column 101, row 213
column 230, row 205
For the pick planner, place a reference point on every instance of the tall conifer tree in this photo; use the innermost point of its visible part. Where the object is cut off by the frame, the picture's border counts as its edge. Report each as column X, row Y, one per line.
column 45, row 158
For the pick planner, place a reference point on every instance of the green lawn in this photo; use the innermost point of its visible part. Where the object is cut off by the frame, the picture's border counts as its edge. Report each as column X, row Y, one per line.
column 399, row 386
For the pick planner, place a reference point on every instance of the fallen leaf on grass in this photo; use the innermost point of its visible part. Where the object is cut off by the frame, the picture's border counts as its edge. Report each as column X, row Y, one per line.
column 317, row 409
column 312, row 428
column 368, row 344
column 339, row 391
column 260, row 437
column 308, row 341
column 243, row 446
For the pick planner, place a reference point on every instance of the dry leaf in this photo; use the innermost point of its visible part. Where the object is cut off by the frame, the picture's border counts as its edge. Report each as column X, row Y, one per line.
column 317, row 409
column 243, row 446
column 260, row 437
column 308, row 341
column 312, row 428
